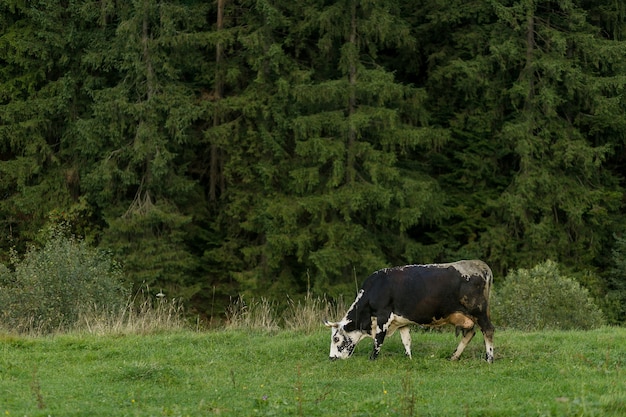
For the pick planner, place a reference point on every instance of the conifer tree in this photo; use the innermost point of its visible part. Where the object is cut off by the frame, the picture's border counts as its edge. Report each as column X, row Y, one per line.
column 240, row 145
column 40, row 97
column 519, row 88
column 251, row 136
column 342, row 204
column 137, row 139
column 561, row 97
column 465, row 100
column 273, row 147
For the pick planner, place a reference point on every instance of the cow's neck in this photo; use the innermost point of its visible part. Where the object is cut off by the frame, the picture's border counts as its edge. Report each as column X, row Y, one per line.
column 358, row 316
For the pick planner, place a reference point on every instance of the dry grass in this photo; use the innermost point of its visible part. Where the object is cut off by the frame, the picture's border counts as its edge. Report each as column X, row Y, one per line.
column 307, row 315
column 255, row 315
column 304, row 315
column 143, row 314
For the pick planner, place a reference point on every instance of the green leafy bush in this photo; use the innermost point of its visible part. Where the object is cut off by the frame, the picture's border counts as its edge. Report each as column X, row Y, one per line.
column 53, row 285
column 541, row 298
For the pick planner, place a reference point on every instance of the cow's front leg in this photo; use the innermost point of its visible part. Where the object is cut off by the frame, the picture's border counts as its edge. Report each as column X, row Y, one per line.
column 405, row 335
column 382, row 325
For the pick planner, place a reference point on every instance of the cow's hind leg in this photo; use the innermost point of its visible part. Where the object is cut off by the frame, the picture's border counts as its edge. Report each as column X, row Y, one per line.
column 405, row 335
column 487, row 330
column 468, row 334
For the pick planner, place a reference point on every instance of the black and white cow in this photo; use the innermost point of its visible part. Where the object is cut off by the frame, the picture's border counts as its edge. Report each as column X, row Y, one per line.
column 431, row 295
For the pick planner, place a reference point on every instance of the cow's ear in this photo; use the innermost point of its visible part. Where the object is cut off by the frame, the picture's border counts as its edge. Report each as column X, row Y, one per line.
column 330, row 324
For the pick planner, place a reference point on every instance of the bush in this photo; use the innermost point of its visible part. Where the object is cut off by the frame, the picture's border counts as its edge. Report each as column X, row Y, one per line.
column 541, row 298
column 52, row 285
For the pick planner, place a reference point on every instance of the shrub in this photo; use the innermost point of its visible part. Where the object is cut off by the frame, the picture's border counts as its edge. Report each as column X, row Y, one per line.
column 52, row 284
column 541, row 298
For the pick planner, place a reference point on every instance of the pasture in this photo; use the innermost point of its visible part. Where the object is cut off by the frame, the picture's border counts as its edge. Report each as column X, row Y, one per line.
column 287, row 373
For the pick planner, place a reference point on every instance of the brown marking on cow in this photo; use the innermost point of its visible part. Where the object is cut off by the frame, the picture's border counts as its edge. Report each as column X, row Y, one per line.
column 472, row 303
column 456, row 319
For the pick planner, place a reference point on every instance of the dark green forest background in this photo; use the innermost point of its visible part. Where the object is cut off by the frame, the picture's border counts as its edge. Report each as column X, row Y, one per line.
column 276, row 147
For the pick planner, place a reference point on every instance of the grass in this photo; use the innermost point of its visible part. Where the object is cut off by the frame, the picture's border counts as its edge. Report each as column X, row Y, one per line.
column 141, row 315
column 287, row 373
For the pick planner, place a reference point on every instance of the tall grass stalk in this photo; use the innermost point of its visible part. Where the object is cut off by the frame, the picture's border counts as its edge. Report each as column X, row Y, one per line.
column 143, row 314
column 255, row 315
column 308, row 314
column 305, row 315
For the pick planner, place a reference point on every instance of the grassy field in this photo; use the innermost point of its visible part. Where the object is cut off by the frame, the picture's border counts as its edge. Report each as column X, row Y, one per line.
column 238, row 373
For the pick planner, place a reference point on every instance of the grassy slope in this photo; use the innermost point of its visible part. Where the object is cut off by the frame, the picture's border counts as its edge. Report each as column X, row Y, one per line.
column 238, row 373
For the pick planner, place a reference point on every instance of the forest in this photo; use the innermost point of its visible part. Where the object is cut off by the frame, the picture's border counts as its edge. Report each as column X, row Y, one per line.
column 273, row 147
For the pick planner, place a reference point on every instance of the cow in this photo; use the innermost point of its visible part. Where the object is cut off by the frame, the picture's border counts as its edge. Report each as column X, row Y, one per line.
column 391, row 299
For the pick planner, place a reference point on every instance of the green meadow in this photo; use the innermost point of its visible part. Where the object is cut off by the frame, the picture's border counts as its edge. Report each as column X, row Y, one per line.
column 287, row 373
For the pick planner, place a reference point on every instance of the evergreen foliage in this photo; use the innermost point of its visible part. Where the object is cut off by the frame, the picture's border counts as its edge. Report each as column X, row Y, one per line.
column 270, row 147
column 615, row 301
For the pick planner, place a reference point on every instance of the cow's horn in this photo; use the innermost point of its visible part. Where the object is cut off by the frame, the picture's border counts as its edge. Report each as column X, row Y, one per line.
column 329, row 324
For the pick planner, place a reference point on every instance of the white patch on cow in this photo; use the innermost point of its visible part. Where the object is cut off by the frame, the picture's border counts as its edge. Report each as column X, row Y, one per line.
column 467, row 268
column 394, row 323
column 474, row 267
column 374, row 327
column 402, row 268
column 345, row 320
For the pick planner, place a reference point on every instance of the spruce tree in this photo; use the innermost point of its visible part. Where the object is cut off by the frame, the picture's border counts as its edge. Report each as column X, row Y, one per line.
column 465, row 100
column 138, row 136
column 41, row 96
column 343, row 203
column 250, row 134
column 240, row 152
column 523, row 92
column 565, row 77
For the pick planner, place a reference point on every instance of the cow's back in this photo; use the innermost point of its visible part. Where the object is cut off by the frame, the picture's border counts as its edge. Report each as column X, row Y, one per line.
column 426, row 293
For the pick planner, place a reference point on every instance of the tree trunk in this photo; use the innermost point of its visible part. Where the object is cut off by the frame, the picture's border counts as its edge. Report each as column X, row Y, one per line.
column 530, row 48
column 214, row 169
column 352, row 79
column 145, row 39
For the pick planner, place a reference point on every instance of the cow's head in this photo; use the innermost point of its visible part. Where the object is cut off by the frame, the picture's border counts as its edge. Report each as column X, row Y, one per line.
column 342, row 341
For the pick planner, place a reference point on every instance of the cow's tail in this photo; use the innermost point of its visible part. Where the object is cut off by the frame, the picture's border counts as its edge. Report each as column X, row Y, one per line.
column 488, row 286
